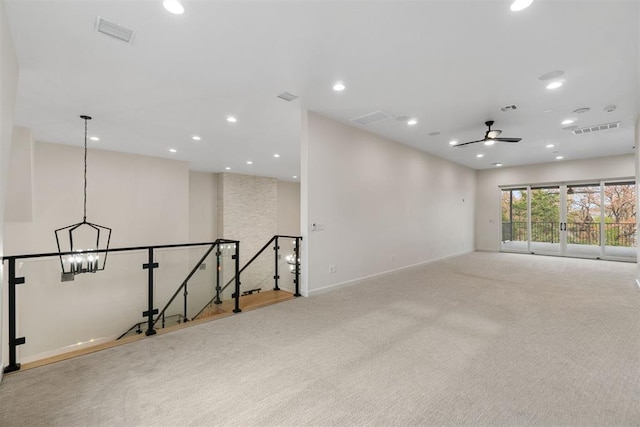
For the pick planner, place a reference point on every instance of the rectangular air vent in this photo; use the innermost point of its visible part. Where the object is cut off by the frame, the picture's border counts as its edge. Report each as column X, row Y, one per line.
column 114, row 30
column 508, row 107
column 596, row 128
column 288, row 96
column 369, row 118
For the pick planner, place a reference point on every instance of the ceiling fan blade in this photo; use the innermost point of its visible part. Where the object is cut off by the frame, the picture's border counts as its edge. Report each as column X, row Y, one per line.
column 508, row 139
column 470, row 142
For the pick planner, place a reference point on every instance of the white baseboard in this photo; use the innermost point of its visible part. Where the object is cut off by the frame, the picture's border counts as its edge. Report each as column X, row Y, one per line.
column 354, row 281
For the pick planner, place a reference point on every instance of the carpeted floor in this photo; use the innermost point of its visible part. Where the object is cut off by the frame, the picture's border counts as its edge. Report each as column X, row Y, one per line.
column 482, row 339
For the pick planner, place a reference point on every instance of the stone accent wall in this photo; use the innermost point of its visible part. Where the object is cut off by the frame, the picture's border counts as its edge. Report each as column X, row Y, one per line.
column 248, row 212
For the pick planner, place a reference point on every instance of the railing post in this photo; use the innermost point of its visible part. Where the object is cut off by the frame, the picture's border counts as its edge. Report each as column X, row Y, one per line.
column 237, row 294
column 185, row 319
column 218, row 253
column 150, row 311
column 13, row 340
column 277, row 274
column 297, row 279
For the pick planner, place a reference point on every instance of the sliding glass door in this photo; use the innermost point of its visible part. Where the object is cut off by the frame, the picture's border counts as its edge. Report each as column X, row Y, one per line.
column 545, row 220
column 585, row 220
column 515, row 223
column 620, row 233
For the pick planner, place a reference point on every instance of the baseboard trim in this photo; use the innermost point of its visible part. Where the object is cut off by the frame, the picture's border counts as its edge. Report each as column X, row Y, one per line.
column 359, row 279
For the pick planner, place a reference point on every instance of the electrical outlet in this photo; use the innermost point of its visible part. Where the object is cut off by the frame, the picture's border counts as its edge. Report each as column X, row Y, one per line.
column 393, row 258
column 332, row 268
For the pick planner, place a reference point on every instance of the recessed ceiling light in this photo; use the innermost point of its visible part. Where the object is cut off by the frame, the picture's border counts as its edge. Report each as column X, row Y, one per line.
column 227, row 168
column 497, row 164
column 436, row 133
column 231, row 119
column 453, row 142
column 549, row 146
column 295, row 177
column 196, row 138
column 567, row 121
column 94, row 138
column 559, row 157
column 479, row 156
column 249, row 162
column 173, row 6
column 173, row 150
column 519, row 5
column 554, row 85
column 276, row 155
column 581, row 110
column 548, row 110
column 412, row 122
column 339, row 86
column 490, row 142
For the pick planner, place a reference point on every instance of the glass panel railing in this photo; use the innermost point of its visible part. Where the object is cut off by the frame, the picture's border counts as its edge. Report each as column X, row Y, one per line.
column 287, row 264
column 258, row 277
column 220, row 279
column 56, row 316
column 140, row 291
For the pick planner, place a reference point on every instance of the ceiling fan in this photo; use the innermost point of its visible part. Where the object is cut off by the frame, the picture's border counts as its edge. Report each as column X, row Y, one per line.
column 490, row 137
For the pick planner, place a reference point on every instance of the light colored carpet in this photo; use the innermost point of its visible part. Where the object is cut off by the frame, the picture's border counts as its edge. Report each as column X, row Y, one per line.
column 482, row 339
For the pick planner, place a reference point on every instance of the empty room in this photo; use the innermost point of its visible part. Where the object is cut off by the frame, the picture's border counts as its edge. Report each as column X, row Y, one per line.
column 319, row 212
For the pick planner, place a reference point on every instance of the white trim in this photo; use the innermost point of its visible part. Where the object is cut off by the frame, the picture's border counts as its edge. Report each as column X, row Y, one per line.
column 638, row 283
column 354, row 281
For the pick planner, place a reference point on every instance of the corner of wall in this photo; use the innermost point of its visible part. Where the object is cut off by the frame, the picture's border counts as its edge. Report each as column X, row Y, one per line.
column 9, row 73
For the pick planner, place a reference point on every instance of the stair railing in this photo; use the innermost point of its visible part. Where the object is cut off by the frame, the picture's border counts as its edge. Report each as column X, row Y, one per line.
column 276, row 277
column 13, row 281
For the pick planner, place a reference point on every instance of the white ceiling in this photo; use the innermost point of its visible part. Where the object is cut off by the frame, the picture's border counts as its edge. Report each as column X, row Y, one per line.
column 450, row 64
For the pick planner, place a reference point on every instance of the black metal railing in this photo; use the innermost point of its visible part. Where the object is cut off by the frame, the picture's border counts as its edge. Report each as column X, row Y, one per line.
column 13, row 281
column 580, row 233
column 275, row 241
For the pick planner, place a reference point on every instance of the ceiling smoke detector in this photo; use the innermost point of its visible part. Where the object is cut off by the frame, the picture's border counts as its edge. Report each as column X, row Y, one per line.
column 610, row 108
column 596, row 128
column 114, row 30
column 510, row 107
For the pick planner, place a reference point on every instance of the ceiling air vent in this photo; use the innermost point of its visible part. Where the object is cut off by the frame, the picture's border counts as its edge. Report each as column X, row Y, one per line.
column 114, row 30
column 510, row 107
column 596, row 128
column 288, row 96
column 369, row 118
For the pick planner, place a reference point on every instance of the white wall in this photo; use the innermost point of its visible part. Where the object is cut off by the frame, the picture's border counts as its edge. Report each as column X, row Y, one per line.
column 8, row 86
column 383, row 205
column 488, row 181
column 288, row 208
column 143, row 199
column 19, row 196
column 203, row 207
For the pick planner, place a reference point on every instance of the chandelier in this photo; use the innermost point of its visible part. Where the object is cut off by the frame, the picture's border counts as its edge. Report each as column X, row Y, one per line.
column 83, row 246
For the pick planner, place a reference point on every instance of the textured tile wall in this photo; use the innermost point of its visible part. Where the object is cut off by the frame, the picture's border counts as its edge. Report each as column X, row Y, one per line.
column 248, row 211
